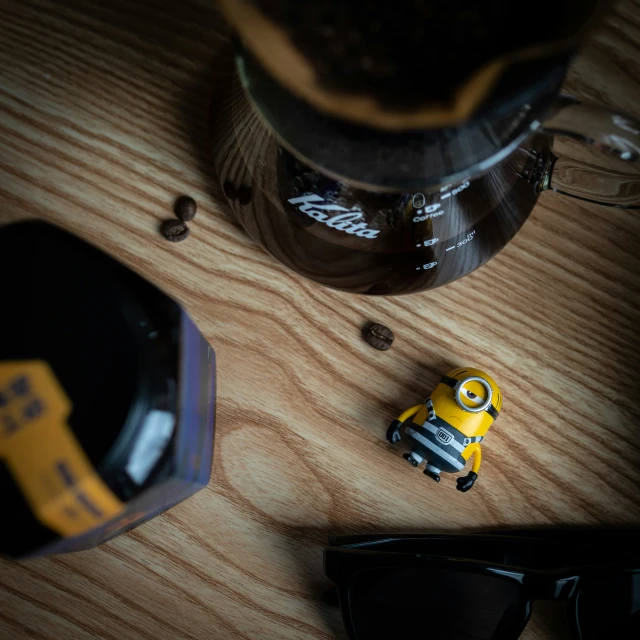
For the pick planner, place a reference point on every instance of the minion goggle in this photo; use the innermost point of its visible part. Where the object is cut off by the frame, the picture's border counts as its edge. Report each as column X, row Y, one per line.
column 460, row 390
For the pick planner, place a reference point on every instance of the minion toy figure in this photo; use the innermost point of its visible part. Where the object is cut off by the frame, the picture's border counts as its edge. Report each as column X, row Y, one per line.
column 448, row 428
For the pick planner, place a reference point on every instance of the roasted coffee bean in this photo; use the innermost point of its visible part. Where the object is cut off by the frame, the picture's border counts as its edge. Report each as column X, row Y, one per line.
column 244, row 195
column 378, row 336
column 175, row 230
column 186, row 208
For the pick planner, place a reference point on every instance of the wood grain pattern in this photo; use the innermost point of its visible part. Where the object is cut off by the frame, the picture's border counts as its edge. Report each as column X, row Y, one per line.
column 103, row 122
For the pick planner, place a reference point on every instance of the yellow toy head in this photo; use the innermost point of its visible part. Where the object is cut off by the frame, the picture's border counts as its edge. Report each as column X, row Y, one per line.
column 468, row 399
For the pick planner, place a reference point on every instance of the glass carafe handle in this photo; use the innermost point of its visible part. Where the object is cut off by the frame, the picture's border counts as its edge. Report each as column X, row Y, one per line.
column 605, row 130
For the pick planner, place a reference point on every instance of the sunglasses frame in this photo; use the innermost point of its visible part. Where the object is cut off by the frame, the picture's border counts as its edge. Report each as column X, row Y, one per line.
column 347, row 556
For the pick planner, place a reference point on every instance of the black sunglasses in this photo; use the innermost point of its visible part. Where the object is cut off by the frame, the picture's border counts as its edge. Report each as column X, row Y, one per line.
column 480, row 587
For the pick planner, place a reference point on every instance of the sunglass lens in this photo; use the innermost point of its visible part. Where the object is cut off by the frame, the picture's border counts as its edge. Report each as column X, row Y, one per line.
column 419, row 603
column 610, row 608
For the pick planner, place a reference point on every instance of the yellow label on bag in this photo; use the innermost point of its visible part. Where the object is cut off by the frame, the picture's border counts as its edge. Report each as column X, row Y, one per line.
column 56, row 478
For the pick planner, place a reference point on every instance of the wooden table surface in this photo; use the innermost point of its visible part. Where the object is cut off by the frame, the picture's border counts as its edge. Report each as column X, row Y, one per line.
column 103, row 122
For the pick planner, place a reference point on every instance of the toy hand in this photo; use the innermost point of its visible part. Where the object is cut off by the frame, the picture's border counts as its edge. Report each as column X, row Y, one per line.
column 466, row 482
column 393, row 432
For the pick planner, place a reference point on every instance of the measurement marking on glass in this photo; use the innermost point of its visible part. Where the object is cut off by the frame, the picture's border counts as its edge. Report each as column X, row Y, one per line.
column 428, row 243
column 419, row 201
column 469, row 238
column 456, row 191
column 430, row 211
column 429, row 265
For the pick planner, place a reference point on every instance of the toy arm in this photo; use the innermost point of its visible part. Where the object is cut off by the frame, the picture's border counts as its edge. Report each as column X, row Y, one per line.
column 393, row 432
column 466, row 482
column 477, row 457
column 409, row 413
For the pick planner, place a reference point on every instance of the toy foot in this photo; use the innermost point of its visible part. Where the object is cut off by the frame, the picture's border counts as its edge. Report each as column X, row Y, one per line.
column 431, row 474
column 410, row 459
